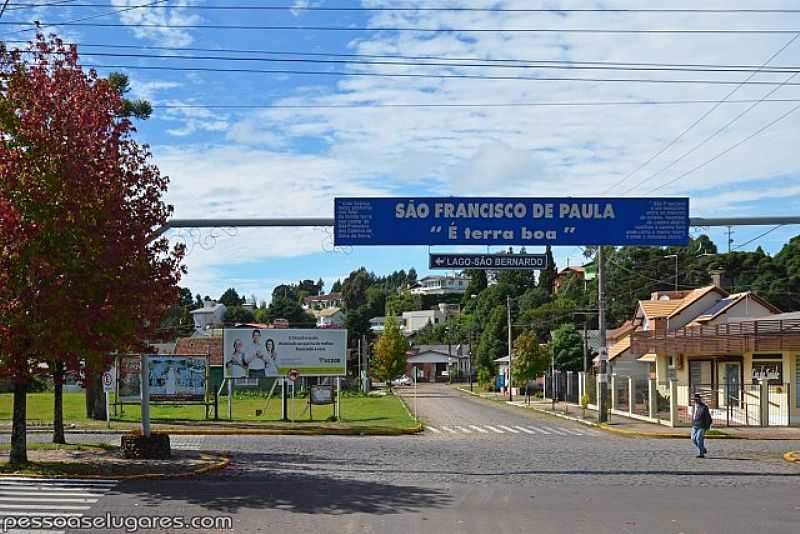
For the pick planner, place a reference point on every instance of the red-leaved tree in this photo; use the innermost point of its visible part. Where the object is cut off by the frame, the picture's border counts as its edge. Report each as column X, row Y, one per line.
column 82, row 275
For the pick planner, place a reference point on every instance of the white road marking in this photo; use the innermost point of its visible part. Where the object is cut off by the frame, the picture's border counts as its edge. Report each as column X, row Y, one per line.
column 39, row 506
column 493, row 429
column 524, row 429
column 545, row 432
column 433, row 429
column 448, row 429
column 574, row 432
column 464, row 430
column 479, row 429
column 40, row 499
column 508, row 428
column 554, row 431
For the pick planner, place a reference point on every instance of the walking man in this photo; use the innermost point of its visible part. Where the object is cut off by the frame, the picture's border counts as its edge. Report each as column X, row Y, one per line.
column 701, row 422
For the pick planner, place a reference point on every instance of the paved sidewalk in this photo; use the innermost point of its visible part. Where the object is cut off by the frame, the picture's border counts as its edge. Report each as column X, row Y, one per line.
column 626, row 425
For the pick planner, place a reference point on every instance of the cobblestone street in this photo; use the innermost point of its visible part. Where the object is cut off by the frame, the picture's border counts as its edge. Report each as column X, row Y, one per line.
column 571, row 479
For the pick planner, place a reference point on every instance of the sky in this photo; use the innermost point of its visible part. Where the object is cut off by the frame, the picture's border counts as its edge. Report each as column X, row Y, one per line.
column 293, row 161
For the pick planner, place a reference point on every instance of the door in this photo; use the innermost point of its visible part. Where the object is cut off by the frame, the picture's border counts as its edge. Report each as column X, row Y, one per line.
column 731, row 376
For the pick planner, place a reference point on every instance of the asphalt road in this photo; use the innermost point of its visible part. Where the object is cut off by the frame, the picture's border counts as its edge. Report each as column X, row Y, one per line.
column 532, row 473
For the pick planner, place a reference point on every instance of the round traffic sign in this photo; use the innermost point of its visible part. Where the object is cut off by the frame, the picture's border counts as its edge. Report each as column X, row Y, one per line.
column 108, row 381
column 292, row 375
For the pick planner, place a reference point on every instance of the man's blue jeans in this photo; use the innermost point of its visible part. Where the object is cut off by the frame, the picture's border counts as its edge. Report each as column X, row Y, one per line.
column 699, row 439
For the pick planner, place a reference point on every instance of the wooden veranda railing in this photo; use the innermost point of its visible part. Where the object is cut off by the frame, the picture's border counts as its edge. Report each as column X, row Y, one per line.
column 731, row 338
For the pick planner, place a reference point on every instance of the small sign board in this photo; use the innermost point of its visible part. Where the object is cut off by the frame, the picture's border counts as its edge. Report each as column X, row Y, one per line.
column 491, row 262
column 108, row 381
column 321, row 395
column 292, row 375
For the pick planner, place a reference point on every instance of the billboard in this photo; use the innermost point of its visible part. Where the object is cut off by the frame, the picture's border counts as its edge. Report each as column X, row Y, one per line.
column 511, row 221
column 171, row 378
column 253, row 353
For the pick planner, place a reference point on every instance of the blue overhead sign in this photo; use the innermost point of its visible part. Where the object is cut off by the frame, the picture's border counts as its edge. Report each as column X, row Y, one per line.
column 511, row 221
column 525, row 262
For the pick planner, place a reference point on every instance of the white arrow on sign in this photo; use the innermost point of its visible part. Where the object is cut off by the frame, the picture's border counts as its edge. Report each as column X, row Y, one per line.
column 439, row 261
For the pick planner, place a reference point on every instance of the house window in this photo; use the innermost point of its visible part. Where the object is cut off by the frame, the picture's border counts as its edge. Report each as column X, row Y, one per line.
column 768, row 367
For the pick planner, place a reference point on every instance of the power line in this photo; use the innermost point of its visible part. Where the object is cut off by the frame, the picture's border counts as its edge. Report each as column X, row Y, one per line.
column 429, row 76
column 36, row 25
column 727, row 150
column 405, row 29
column 700, row 119
column 3, row 9
column 548, row 65
column 776, row 69
column 758, row 237
column 714, row 135
column 449, row 9
column 456, row 105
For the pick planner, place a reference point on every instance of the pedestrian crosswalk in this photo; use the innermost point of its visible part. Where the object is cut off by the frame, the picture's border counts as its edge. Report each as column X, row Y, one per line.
column 48, row 497
column 510, row 430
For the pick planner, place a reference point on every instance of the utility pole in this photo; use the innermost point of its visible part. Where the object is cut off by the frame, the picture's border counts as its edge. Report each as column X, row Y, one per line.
column 360, row 378
column 602, row 377
column 508, row 309
column 585, row 343
column 730, row 238
column 676, row 268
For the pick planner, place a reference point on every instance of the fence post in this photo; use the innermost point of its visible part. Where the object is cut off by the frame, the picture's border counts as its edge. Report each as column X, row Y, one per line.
column 581, row 385
column 651, row 398
column 613, row 392
column 630, row 395
column 673, row 403
column 544, row 387
column 764, row 401
column 569, row 386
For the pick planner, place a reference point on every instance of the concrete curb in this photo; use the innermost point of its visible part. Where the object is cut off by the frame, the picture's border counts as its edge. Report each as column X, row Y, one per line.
column 620, row 431
column 349, row 431
column 792, row 457
column 215, row 463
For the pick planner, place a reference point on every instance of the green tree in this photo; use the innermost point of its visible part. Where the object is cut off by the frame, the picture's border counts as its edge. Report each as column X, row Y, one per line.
column 477, row 283
column 530, row 359
column 547, row 276
column 140, row 109
column 231, row 298
column 285, row 308
column 402, row 302
column 238, row 314
column 354, row 289
column 493, row 343
column 389, row 355
column 357, row 323
column 567, row 347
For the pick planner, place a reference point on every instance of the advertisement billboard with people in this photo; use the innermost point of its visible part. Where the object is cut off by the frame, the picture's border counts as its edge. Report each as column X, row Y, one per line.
column 256, row 353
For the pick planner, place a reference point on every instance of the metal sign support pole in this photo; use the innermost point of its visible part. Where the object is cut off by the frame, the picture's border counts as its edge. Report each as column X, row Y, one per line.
column 602, row 376
column 145, row 391
column 230, row 399
column 338, row 398
column 108, row 411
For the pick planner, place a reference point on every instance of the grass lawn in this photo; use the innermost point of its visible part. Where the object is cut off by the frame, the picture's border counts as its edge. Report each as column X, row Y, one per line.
column 373, row 410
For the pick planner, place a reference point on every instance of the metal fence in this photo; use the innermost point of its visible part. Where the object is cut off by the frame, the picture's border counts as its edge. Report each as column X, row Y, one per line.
column 737, row 404
column 662, row 401
column 641, row 396
column 621, row 393
column 571, row 393
column 591, row 387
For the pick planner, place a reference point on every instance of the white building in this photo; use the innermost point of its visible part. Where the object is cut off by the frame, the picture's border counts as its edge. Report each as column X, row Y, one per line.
column 413, row 321
column 211, row 314
column 320, row 302
column 440, row 285
column 330, row 318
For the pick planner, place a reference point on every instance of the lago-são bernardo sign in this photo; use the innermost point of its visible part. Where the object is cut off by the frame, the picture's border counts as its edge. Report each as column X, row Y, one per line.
column 511, row 221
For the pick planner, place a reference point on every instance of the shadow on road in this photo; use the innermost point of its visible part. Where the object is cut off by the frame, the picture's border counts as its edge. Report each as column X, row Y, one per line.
column 283, row 482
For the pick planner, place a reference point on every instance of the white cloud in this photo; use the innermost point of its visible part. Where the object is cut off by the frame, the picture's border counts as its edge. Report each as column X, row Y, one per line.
column 148, row 89
column 520, row 150
column 153, row 14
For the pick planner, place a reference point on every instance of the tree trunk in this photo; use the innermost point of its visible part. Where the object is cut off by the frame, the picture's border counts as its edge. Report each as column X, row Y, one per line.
column 58, row 403
column 89, row 395
column 19, row 439
column 99, row 397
